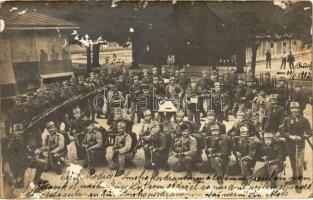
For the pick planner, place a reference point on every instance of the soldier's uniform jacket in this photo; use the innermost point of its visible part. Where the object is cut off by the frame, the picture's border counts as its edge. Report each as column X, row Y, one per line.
column 249, row 97
column 78, row 125
column 123, row 143
column 55, row 143
column 259, row 103
column 283, row 96
column 146, row 127
column 274, row 151
column 159, row 141
column 274, row 117
column 115, row 98
column 193, row 93
column 93, row 139
column 296, row 126
column 219, row 144
column 239, row 91
column 158, row 89
column 186, row 145
column 245, row 146
column 235, row 130
column 219, row 100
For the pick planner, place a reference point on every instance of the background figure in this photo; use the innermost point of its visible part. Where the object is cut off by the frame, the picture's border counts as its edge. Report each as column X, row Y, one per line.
column 291, row 60
column 268, row 56
column 283, row 61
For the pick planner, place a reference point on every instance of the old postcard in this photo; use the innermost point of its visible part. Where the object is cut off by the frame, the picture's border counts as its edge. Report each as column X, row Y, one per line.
column 156, row 99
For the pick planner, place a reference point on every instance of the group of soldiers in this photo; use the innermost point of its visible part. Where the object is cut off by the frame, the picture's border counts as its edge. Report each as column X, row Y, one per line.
column 268, row 125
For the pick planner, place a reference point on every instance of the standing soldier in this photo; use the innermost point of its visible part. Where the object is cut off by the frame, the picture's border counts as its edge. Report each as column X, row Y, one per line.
column 299, row 96
column 115, row 100
column 219, row 102
column 183, row 151
column 283, row 94
column 183, row 80
column 134, row 93
column 267, row 83
column 296, row 129
column 192, row 99
column 175, row 126
column 146, row 78
column 122, row 149
column 156, row 149
column 239, row 91
column 273, row 156
column 274, row 115
column 93, row 143
column 244, row 151
column 217, row 148
column 77, row 129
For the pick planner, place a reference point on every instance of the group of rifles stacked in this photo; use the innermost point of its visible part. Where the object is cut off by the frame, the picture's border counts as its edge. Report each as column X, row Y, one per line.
column 268, row 126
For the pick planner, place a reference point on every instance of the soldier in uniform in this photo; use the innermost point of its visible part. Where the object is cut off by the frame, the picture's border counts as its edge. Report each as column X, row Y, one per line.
column 239, row 91
column 299, row 96
column 183, row 151
column 192, row 98
column 219, row 102
column 156, row 149
column 296, row 129
column 115, row 100
column 54, row 146
column 77, row 129
column 183, row 80
column 134, row 93
column 217, row 148
column 274, row 115
column 245, row 152
column 93, row 143
column 175, row 126
column 282, row 92
column 211, row 120
column 273, row 156
column 122, row 149
column 267, row 83
column 242, row 121
column 146, row 78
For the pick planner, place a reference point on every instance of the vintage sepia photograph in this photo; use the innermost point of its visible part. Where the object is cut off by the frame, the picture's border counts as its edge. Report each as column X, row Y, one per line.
column 147, row 99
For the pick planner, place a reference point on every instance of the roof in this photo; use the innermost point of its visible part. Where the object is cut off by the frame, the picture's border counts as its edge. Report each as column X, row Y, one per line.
column 28, row 20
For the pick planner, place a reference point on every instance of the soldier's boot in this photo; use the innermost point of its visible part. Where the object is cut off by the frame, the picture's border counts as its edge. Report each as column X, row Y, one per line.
column 155, row 172
column 119, row 172
column 189, row 174
column 148, row 164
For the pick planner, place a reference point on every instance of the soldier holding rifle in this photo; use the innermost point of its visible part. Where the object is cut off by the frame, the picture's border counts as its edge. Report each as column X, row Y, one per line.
column 296, row 129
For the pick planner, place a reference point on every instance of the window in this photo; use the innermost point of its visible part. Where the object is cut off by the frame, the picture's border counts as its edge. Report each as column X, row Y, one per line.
column 295, row 43
column 284, row 44
column 272, row 45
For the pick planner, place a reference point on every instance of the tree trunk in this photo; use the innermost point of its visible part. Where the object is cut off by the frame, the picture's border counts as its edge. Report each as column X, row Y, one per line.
column 95, row 55
column 254, row 49
column 88, row 60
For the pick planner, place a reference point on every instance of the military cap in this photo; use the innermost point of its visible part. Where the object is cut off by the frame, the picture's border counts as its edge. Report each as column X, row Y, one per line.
column 211, row 112
column 182, row 70
column 268, row 135
column 184, row 127
column 240, row 113
column 30, row 94
column 249, row 79
column 215, row 127
column 144, row 70
column 193, row 79
column 76, row 109
column 18, row 127
column 145, row 87
column 204, row 72
column 243, row 128
column 136, row 76
column 147, row 113
column 298, row 85
column 180, row 113
column 49, row 124
column 39, row 90
column 281, row 78
column 91, row 73
column 217, row 83
column 294, row 105
column 274, row 96
column 172, row 78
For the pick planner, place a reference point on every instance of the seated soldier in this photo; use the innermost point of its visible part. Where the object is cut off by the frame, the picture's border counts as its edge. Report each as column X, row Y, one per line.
column 93, row 143
column 156, row 149
column 183, row 151
column 273, row 156
column 244, row 151
column 242, row 121
column 52, row 154
column 122, row 149
column 210, row 120
column 217, row 148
